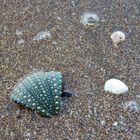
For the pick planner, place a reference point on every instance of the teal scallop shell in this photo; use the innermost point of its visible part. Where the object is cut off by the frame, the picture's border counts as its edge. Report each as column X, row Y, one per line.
column 40, row 91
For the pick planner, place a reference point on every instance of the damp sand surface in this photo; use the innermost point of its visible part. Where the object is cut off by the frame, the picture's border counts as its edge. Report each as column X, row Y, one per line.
column 48, row 35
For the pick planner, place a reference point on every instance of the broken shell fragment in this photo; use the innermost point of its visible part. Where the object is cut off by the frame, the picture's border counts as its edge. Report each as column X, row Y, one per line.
column 115, row 86
column 42, row 35
column 40, row 91
column 117, row 37
column 89, row 19
column 132, row 105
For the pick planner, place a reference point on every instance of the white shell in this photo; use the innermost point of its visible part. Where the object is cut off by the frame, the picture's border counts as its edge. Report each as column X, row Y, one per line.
column 42, row 35
column 115, row 86
column 89, row 19
column 21, row 41
column 132, row 105
column 117, row 37
column 18, row 32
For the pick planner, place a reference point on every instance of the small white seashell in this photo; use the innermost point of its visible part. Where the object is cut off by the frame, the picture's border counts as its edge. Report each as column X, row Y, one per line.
column 115, row 124
column 42, row 35
column 132, row 105
column 21, row 41
column 138, row 96
column 18, row 33
column 89, row 19
column 117, row 37
column 115, row 86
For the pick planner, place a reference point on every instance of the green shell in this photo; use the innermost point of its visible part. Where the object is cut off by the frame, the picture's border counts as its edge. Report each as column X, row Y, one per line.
column 40, row 91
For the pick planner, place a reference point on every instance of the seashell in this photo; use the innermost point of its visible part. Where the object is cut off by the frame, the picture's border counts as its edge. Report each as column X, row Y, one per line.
column 21, row 41
column 132, row 105
column 42, row 35
column 18, row 32
column 117, row 37
column 89, row 19
column 40, row 91
column 115, row 86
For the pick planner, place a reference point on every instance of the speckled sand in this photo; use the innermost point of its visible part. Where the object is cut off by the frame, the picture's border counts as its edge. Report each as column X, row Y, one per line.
column 86, row 57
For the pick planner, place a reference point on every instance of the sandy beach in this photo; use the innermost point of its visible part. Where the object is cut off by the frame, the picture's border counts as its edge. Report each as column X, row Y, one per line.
column 48, row 35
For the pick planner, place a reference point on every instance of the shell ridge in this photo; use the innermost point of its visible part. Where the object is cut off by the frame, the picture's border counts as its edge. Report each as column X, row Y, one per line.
column 31, row 93
column 28, row 86
column 41, row 106
column 57, row 106
column 45, row 87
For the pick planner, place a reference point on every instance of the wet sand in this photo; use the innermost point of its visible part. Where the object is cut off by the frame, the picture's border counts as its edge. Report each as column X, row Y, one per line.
column 86, row 57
